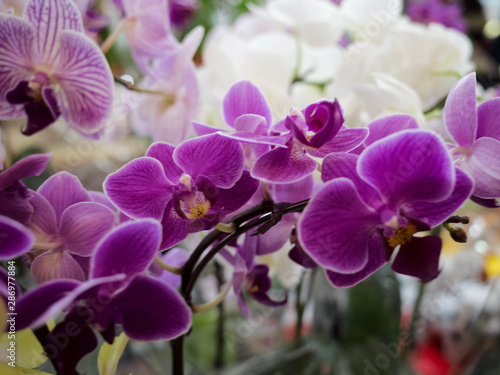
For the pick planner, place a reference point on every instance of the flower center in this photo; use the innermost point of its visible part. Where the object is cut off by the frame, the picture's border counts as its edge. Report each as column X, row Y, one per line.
column 200, row 210
column 194, row 205
column 402, row 236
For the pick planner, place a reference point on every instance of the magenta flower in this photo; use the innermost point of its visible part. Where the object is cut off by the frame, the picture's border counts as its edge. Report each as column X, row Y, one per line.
column 374, row 204
column 182, row 11
column 116, row 293
column 246, row 111
column 14, row 195
column 189, row 188
column 67, row 225
column 316, row 131
column 476, row 133
column 49, row 68
column 249, row 276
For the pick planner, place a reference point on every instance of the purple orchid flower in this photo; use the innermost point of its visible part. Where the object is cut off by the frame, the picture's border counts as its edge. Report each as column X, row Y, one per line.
column 116, row 293
column 189, row 188
column 49, row 68
column 14, row 195
column 246, row 111
column 449, row 14
column 249, row 276
column 476, row 133
column 167, row 117
column 316, row 131
column 67, row 225
column 15, row 239
column 176, row 257
column 375, row 203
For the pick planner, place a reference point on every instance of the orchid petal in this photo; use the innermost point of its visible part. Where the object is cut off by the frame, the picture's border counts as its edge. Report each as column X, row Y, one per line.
column 86, row 83
column 244, row 98
column 460, row 114
column 435, row 213
column 283, row 165
column 484, row 167
column 275, row 238
column 488, row 114
column 175, row 228
column 201, row 129
column 43, row 223
column 345, row 140
column 213, row 156
column 408, row 166
column 15, row 239
column 167, row 316
column 32, row 165
column 63, row 190
column 258, row 139
column 235, row 197
column 163, row 152
column 375, row 261
column 295, row 191
column 128, row 249
column 16, row 46
column 56, row 264
column 140, row 188
column 388, row 125
column 83, row 225
column 419, row 258
column 50, row 18
column 336, row 226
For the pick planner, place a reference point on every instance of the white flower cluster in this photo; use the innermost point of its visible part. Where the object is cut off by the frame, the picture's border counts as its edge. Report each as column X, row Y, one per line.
column 365, row 53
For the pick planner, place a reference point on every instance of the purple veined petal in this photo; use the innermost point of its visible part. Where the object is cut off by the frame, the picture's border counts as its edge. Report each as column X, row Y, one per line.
column 329, row 116
column 176, row 257
column 295, row 130
column 16, row 46
column 163, row 152
column 341, row 164
column 488, row 114
column 244, row 98
column 375, row 261
column 175, row 228
column 56, row 264
column 50, row 18
column 83, row 225
column 241, row 136
column 101, row 198
column 43, row 223
column 167, row 315
column 140, row 188
column 240, row 271
column 15, row 203
column 336, row 226
column 86, row 83
column 283, row 165
column 419, row 258
column 408, row 166
column 15, row 239
column 484, row 167
column 235, row 197
column 201, row 129
column 9, row 111
column 48, row 300
column 388, row 125
column 213, row 156
column 32, row 165
column 128, row 249
column 32, row 306
column 344, row 141
column 293, row 192
column 276, row 237
column 63, row 190
column 252, row 124
column 435, row 213
column 460, row 114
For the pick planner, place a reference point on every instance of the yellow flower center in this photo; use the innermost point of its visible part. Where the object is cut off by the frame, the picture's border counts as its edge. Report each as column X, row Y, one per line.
column 198, row 211
column 402, row 235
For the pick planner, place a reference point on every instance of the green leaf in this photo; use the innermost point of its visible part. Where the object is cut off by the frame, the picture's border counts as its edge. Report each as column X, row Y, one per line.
column 109, row 355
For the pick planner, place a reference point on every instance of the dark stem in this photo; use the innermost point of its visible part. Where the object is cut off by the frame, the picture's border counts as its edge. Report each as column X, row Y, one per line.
column 177, row 355
column 299, row 307
column 416, row 314
column 219, row 333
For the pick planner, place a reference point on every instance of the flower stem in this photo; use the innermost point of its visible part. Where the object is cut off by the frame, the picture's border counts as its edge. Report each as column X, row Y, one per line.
column 132, row 87
column 217, row 300
column 416, row 313
column 111, row 39
column 168, row 267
